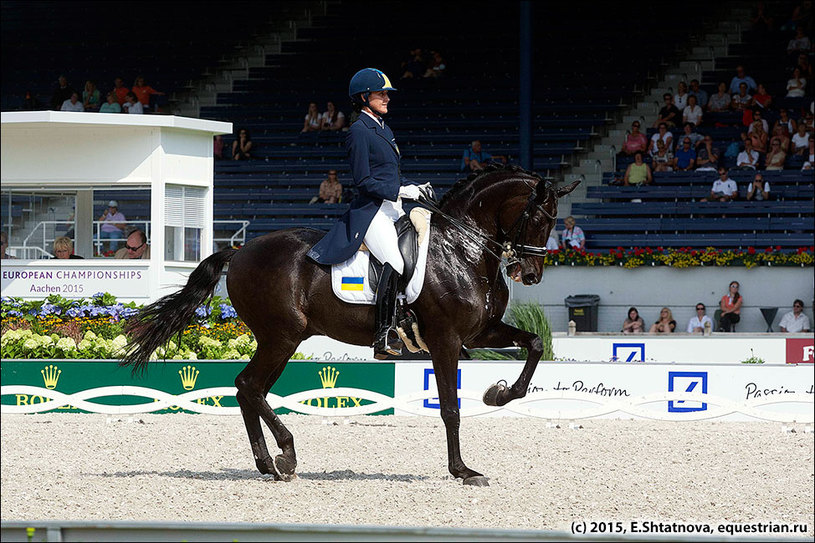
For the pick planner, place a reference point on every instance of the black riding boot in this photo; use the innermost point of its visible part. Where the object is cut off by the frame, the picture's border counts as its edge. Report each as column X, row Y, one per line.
column 386, row 340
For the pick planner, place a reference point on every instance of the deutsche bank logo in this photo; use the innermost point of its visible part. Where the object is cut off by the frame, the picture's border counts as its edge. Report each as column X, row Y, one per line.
column 687, row 381
column 433, row 403
column 628, row 352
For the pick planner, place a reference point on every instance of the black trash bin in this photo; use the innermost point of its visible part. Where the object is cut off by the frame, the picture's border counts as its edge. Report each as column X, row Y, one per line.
column 583, row 311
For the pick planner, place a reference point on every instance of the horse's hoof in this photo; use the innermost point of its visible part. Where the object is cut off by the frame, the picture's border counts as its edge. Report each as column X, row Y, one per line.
column 265, row 466
column 477, row 480
column 493, row 393
column 284, row 468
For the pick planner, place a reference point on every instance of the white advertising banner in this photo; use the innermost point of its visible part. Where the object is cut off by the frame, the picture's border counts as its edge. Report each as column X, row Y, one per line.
column 572, row 391
column 74, row 280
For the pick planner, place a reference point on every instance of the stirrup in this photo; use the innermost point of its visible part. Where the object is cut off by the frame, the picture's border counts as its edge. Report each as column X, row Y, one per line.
column 387, row 344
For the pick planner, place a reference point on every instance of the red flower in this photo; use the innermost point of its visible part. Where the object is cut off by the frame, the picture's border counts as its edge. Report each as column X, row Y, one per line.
column 751, row 250
column 649, row 250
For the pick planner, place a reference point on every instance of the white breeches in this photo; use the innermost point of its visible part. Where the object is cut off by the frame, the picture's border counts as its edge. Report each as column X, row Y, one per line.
column 381, row 235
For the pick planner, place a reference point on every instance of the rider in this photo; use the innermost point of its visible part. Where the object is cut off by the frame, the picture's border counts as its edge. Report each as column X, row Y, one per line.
column 374, row 158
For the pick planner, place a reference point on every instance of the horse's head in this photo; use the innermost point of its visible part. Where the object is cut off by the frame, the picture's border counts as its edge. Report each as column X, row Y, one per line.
column 515, row 207
column 528, row 234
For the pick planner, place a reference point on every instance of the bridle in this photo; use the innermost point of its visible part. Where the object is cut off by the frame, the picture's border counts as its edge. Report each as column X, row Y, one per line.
column 513, row 249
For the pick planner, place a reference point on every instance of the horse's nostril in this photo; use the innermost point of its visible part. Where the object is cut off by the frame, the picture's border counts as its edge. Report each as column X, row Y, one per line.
column 529, row 278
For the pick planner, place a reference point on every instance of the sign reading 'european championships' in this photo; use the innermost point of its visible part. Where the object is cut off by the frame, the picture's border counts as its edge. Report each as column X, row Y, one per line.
column 40, row 281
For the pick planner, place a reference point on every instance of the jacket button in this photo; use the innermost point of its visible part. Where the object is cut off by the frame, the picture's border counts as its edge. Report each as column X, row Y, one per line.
column 356, row 235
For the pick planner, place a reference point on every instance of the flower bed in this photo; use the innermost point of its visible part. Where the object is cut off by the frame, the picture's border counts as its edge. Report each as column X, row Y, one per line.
column 60, row 328
column 683, row 257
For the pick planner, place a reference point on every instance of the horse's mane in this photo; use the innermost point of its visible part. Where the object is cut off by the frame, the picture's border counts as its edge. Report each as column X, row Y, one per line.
column 464, row 189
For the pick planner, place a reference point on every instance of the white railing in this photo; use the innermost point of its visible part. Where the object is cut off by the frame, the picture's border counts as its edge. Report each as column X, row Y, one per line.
column 42, row 236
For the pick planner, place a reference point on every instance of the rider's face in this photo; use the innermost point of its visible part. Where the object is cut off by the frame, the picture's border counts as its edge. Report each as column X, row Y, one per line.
column 378, row 102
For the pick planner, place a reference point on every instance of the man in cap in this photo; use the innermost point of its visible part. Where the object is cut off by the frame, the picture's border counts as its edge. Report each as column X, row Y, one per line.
column 113, row 225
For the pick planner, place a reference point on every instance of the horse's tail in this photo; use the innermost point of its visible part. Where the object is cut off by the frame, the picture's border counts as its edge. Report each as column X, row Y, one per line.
column 155, row 324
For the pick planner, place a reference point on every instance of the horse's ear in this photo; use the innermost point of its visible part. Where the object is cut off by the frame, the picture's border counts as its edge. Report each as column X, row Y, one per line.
column 563, row 191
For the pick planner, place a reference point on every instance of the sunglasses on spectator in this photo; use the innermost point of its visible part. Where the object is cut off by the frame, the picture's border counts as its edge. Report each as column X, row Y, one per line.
column 129, row 248
column 700, row 308
column 797, row 305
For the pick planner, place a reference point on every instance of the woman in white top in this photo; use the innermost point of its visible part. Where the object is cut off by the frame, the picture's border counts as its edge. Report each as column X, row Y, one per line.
column 332, row 118
column 311, row 123
column 796, row 87
column 692, row 113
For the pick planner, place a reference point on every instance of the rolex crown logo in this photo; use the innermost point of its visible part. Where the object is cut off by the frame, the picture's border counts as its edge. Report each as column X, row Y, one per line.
column 328, row 376
column 188, row 377
column 50, row 375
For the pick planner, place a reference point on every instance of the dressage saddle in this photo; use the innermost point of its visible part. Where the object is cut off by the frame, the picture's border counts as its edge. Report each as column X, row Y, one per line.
column 408, row 246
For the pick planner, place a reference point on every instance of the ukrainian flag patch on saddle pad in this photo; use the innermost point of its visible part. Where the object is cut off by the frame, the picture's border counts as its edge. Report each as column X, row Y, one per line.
column 352, row 283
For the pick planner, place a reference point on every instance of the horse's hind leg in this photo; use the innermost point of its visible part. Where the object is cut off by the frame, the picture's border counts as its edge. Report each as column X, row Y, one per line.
column 253, row 383
column 504, row 335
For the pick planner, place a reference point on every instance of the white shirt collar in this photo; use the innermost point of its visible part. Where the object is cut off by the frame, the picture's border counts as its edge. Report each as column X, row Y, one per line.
column 378, row 119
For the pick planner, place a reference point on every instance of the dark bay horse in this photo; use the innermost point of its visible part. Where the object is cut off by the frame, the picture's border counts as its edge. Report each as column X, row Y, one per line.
column 284, row 298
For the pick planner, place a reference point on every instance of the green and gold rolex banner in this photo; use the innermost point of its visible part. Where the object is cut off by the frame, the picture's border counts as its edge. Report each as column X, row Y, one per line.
column 202, row 386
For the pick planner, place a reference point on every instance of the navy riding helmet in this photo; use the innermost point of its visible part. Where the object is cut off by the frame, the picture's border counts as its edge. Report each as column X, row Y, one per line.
column 366, row 81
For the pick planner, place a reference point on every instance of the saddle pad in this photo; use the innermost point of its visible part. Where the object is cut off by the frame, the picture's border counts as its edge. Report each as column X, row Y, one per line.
column 349, row 279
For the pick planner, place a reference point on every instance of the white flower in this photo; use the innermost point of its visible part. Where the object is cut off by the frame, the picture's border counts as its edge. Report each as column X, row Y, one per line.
column 66, row 344
column 90, row 336
column 31, row 344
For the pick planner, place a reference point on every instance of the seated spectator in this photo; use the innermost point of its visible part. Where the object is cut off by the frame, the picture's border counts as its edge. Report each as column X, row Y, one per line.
column 796, row 85
column 113, row 226
column 311, row 122
column 120, row 90
column 242, row 146
column 756, row 116
column 132, row 104
column 666, row 323
column 62, row 92
column 811, row 157
column 635, row 141
column 781, row 135
column 795, row 321
column 552, row 243
column 761, row 20
column 681, row 96
column 805, row 66
column 747, row 159
column 144, row 93
column 800, row 141
column 730, row 304
column 756, row 136
column 740, row 78
column 742, row 99
column 692, row 112
column 436, row 66
column 799, row 43
column 330, row 190
column 332, row 119
column 633, row 324
column 573, row 236
column 415, row 66
column 696, row 324
column 807, row 166
column 719, row 101
column 110, row 105
column 685, row 157
column 135, row 247
column 90, row 96
column 72, row 104
column 662, row 135
column 724, row 189
column 218, row 147
column 64, row 248
column 762, row 98
column 669, row 114
column 809, row 121
column 4, row 245
column 30, row 102
column 707, row 157
column 776, row 157
column 789, row 125
column 759, row 190
column 700, row 94
column 663, row 159
column 638, row 172
column 475, row 158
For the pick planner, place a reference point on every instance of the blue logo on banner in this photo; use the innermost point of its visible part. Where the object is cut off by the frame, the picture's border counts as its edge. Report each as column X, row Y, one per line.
column 687, row 381
column 628, row 352
column 429, row 402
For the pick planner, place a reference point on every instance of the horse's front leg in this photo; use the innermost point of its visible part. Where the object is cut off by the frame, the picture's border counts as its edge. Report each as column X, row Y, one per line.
column 445, row 365
column 504, row 335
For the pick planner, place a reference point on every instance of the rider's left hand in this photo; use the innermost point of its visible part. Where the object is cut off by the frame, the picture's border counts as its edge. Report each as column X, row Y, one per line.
column 428, row 192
